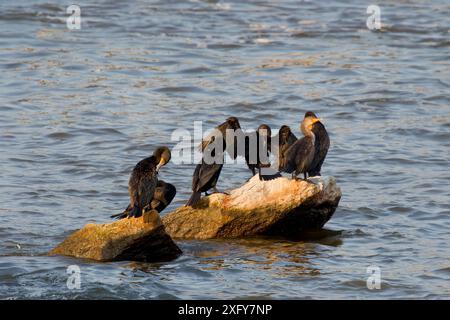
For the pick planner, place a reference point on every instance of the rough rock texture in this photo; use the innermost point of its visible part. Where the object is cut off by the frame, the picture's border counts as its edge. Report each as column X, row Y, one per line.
column 126, row 239
column 281, row 206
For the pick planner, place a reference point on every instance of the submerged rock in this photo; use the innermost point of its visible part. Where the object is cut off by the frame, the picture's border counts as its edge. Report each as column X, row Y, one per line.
column 126, row 239
column 282, row 207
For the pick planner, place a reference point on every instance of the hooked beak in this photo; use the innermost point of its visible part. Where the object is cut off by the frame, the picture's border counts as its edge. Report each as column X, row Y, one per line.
column 160, row 164
column 313, row 121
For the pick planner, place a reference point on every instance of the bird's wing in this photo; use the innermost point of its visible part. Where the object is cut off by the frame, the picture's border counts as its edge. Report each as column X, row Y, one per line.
column 210, row 138
column 133, row 187
column 235, row 145
column 296, row 153
column 147, row 187
column 196, row 177
column 163, row 196
column 321, row 146
column 324, row 143
column 292, row 138
column 206, row 174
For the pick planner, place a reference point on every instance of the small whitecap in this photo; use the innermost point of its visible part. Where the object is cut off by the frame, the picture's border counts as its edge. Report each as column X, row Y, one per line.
column 258, row 26
column 262, row 41
column 202, row 45
column 223, row 6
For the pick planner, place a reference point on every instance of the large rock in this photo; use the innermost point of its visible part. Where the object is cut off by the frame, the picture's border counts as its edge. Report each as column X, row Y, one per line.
column 281, row 206
column 126, row 239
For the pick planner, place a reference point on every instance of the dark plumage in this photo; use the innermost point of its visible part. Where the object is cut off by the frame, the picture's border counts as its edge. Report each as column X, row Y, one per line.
column 204, row 178
column 163, row 196
column 285, row 139
column 143, row 182
column 206, row 174
column 322, row 144
column 257, row 149
column 299, row 156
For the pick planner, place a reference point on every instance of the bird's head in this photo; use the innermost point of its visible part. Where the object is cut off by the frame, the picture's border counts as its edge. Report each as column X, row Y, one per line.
column 233, row 123
column 284, row 133
column 162, row 155
column 264, row 130
column 308, row 122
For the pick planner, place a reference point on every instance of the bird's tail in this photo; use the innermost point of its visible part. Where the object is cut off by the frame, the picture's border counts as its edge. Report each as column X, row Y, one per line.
column 119, row 216
column 128, row 212
column 195, row 198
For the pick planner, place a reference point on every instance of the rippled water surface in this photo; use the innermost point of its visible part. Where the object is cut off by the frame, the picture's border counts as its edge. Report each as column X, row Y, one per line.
column 80, row 108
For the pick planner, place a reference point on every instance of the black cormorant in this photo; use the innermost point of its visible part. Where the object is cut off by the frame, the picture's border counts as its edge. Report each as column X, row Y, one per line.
column 206, row 174
column 300, row 155
column 257, row 149
column 285, row 139
column 321, row 146
column 143, row 182
column 163, row 196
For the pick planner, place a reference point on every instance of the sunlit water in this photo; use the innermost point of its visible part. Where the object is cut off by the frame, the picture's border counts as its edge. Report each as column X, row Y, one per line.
column 80, row 108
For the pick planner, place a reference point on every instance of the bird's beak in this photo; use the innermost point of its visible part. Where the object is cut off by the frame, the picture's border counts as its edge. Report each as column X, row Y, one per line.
column 160, row 164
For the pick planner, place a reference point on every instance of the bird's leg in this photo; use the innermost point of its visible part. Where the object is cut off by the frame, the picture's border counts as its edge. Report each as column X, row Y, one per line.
column 135, row 211
column 304, row 174
column 294, row 176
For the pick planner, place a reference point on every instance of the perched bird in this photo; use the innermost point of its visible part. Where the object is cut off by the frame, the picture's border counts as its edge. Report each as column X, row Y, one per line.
column 231, row 123
column 204, row 178
column 300, row 155
column 321, row 146
column 257, row 149
column 285, row 139
column 163, row 196
column 206, row 174
column 143, row 182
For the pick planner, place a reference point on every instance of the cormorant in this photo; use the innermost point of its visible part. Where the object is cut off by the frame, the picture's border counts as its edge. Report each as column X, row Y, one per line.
column 206, row 174
column 285, row 139
column 321, row 146
column 163, row 196
column 143, row 182
column 255, row 143
column 300, row 155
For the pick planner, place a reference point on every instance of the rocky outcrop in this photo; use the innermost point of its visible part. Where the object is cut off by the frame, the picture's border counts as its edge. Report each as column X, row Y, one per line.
column 282, row 207
column 126, row 239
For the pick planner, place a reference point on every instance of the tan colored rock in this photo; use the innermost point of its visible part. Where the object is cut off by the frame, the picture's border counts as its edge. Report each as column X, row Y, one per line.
column 126, row 239
column 281, row 206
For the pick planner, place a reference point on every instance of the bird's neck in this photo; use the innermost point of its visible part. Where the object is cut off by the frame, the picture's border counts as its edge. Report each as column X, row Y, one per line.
column 310, row 134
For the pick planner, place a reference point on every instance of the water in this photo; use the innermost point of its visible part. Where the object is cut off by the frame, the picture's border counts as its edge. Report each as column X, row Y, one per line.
column 80, row 108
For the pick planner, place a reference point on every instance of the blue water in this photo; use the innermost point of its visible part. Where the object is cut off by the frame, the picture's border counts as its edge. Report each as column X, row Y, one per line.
column 79, row 108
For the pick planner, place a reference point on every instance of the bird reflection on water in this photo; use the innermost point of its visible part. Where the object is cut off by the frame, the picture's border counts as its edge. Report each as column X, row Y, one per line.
column 283, row 257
